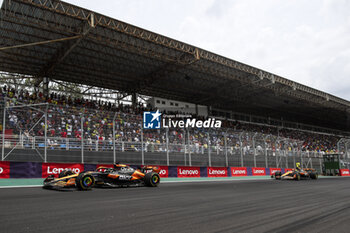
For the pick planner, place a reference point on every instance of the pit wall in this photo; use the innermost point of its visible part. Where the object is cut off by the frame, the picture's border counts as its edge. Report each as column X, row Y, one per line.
column 42, row 170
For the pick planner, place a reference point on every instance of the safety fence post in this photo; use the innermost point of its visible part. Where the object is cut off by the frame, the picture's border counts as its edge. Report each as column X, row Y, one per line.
column 82, row 138
column 241, row 148
column 225, row 138
column 142, row 150
column 45, row 133
column 209, row 149
column 184, row 146
column 265, row 151
column 167, row 146
column 114, row 149
column 286, row 155
column 254, row 149
column 189, row 148
column 276, row 154
column 3, row 129
column 295, row 153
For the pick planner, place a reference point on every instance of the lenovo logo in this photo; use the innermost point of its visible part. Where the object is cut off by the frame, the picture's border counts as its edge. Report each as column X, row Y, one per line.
column 56, row 171
column 188, row 172
column 216, row 172
column 259, row 171
column 239, row 172
column 162, row 172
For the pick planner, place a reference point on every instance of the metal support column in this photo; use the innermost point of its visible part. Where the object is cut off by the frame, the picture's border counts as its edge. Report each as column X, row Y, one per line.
column 209, row 149
column 3, row 130
column 295, row 155
column 265, row 149
column 114, row 149
column 241, row 148
column 184, row 145
column 188, row 148
column 346, row 150
column 301, row 160
column 45, row 149
column 142, row 150
column 167, row 146
column 254, row 149
column 82, row 138
column 226, row 158
column 276, row 154
column 310, row 159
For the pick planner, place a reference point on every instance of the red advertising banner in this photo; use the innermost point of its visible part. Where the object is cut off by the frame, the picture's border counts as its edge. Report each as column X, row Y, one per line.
column 217, row 171
column 258, row 171
column 4, row 169
column 239, row 171
column 164, row 171
column 56, row 168
column 188, row 171
column 273, row 170
column 288, row 169
column 344, row 172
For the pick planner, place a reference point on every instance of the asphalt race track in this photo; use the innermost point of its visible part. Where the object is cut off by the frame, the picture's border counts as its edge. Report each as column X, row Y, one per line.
column 227, row 206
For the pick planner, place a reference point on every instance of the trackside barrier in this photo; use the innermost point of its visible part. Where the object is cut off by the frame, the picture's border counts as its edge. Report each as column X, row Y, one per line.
column 4, row 169
column 273, row 170
column 344, row 172
column 238, row 171
column 56, row 168
column 259, row 171
column 42, row 170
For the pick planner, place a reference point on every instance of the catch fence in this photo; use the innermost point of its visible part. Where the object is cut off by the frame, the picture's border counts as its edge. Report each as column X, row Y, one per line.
column 56, row 133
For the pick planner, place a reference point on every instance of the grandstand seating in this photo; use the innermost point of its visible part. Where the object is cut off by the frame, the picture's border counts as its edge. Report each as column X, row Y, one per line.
column 65, row 115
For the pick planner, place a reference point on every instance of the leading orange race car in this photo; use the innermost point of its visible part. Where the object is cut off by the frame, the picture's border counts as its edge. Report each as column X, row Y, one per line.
column 118, row 176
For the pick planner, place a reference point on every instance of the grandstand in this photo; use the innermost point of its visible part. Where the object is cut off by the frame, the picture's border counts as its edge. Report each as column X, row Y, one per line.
column 268, row 120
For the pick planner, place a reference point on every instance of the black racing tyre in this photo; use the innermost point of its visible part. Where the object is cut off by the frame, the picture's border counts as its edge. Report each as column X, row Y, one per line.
column 65, row 173
column 152, row 179
column 314, row 175
column 85, row 181
column 278, row 175
column 297, row 178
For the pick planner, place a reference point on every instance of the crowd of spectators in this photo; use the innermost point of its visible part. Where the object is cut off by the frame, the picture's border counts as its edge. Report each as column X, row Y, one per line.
column 66, row 114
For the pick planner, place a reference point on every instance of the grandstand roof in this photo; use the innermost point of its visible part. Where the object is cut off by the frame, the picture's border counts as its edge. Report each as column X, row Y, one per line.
column 78, row 45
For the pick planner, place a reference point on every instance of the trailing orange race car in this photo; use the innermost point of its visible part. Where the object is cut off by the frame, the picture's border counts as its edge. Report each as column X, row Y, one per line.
column 296, row 174
column 119, row 175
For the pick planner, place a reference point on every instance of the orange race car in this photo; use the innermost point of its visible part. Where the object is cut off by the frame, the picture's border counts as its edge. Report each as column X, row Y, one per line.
column 296, row 174
column 119, row 175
